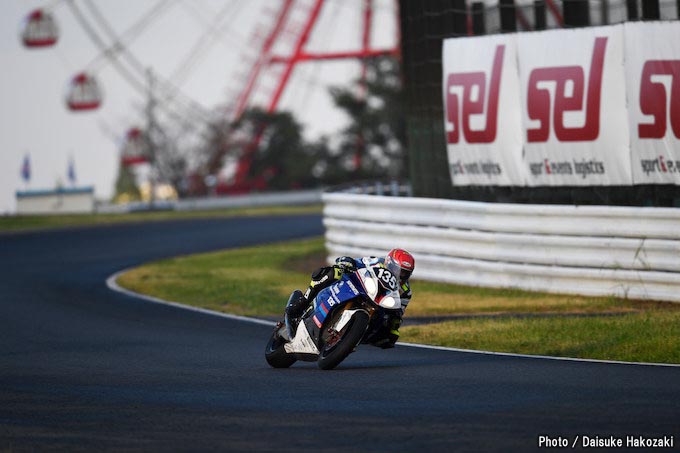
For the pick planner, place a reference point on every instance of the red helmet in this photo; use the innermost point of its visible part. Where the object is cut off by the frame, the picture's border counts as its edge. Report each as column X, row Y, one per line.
column 403, row 260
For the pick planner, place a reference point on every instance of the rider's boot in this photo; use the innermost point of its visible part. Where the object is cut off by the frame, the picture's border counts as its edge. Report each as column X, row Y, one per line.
column 294, row 310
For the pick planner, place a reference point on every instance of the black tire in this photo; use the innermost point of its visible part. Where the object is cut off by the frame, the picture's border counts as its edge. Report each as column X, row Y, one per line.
column 351, row 335
column 275, row 354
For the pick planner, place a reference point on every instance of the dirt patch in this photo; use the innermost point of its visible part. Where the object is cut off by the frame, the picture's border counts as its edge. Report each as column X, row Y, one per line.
column 655, row 305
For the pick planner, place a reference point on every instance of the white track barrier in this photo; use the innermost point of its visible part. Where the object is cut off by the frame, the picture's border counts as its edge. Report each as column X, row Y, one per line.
column 292, row 198
column 589, row 250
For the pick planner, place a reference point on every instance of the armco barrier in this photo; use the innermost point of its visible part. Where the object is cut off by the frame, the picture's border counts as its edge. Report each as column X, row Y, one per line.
column 591, row 250
column 292, row 198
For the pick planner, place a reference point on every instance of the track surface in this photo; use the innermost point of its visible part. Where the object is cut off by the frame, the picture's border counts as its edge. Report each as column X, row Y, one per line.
column 84, row 368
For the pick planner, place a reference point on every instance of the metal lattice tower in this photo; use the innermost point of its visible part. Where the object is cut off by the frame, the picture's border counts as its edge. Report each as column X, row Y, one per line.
column 270, row 72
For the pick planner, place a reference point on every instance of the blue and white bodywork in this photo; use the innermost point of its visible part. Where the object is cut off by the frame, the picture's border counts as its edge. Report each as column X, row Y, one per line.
column 354, row 303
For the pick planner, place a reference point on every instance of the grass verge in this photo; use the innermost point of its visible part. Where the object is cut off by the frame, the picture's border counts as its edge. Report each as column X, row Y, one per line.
column 647, row 336
column 256, row 281
column 253, row 281
column 39, row 222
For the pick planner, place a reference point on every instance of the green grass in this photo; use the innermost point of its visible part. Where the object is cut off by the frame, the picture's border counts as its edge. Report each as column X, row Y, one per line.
column 442, row 298
column 649, row 336
column 256, row 281
column 38, row 222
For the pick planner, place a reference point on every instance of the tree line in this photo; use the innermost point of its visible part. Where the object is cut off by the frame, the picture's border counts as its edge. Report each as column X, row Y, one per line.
column 370, row 147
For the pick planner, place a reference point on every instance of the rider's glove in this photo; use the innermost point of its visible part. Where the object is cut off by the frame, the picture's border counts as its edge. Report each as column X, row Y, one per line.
column 346, row 263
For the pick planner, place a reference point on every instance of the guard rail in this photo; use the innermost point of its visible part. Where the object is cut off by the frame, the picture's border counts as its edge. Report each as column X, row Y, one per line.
column 591, row 250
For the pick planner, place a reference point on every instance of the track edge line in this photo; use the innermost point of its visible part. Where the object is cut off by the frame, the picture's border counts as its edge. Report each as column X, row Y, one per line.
column 112, row 284
column 536, row 356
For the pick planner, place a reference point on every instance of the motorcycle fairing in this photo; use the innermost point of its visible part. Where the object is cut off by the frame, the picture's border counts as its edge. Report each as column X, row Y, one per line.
column 337, row 294
column 302, row 342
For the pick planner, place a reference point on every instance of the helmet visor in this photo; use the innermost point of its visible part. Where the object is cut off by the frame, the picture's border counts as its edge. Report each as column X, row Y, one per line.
column 396, row 269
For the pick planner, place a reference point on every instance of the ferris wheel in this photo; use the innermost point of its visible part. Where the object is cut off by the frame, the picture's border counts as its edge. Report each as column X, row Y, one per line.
column 271, row 51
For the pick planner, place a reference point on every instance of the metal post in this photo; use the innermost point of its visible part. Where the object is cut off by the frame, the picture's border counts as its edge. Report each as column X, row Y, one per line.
column 540, row 21
column 508, row 16
column 478, row 19
column 650, row 10
column 632, row 8
column 604, row 12
column 150, row 130
column 363, row 86
column 454, row 19
column 576, row 13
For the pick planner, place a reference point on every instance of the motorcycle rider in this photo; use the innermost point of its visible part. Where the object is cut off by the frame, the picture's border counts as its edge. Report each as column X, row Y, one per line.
column 327, row 275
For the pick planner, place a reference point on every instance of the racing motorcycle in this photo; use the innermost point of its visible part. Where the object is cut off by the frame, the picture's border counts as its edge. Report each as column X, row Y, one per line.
column 349, row 312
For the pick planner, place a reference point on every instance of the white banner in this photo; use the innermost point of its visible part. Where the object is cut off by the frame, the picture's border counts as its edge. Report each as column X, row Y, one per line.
column 580, row 107
column 482, row 111
column 574, row 116
column 653, row 75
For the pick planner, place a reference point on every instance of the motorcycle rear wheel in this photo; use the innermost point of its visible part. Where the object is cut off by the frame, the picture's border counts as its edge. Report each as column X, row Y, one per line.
column 350, row 336
column 275, row 353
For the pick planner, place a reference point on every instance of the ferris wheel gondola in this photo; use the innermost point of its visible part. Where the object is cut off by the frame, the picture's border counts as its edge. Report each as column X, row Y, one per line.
column 39, row 29
column 83, row 93
column 134, row 148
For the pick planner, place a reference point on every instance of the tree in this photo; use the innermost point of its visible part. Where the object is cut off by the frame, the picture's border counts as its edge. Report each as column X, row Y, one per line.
column 169, row 158
column 272, row 144
column 282, row 157
column 373, row 145
column 126, row 186
column 272, row 148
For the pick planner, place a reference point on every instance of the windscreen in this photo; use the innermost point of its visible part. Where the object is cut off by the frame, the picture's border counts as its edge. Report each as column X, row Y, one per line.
column 382, row 285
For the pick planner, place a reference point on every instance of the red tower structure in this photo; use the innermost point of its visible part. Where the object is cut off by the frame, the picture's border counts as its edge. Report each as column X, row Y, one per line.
column 287, row 63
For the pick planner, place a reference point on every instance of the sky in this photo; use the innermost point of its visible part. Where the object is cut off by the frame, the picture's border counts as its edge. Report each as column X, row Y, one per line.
column 209, row 36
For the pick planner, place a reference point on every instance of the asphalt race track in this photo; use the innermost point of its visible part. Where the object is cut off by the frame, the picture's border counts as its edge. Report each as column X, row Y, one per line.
column 83, row 368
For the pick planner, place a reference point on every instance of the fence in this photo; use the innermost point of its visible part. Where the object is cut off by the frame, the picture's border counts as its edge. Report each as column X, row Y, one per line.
column 590, row 250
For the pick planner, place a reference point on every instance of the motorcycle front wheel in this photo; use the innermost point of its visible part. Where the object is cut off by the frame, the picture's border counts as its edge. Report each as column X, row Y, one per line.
column 275, row 353
column 338, row 345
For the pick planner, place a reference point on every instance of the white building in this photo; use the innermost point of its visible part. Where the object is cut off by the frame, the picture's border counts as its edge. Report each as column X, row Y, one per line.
column 56, row 201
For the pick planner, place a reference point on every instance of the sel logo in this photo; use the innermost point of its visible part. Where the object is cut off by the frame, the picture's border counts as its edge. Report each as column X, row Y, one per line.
column 474, row 96
column 654, row 100
column 569, row 87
